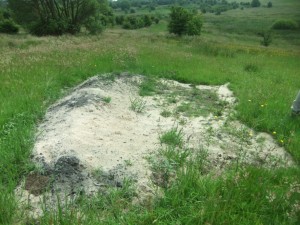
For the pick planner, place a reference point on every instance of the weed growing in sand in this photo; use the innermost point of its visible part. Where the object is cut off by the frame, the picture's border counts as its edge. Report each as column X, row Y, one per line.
column 106, row 99
column 166, row 113
column 195, row 102
column 151, row 86
column 177, row 156
column 147, row 87
column 162, row 169
column 128, row 162
column 138, row 105
column 173, row 137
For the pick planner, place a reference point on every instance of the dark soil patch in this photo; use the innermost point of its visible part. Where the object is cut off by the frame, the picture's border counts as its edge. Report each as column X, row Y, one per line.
column 36, row 184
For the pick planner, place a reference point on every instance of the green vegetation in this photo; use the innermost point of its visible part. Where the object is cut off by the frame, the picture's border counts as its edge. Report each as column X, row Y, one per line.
column 148, row 87
column 58, row 17
column 166, row 113
column 255, row 3
column 8, row 26
column 106, row 99
column 173, row 137
column 138, row 105
column 183, row 22
column 36, row 71
column 135, row 22
column 285, row 25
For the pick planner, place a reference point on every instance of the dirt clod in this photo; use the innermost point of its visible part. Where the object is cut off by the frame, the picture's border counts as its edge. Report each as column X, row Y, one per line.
column 36, row 184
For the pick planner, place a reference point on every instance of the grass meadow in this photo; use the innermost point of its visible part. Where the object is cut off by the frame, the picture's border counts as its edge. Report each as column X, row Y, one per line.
column 34, row 72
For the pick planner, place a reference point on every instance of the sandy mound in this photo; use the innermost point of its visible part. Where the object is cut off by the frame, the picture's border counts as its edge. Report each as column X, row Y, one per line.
column 101, row 133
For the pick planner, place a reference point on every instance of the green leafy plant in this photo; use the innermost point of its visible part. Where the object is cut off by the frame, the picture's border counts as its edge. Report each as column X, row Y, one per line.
column 166, row 113
column 138, row 105
column 267, row 38
column 285, row 25
column 106, row 99
column 184, row 22
column 173, row 137
column 255, row 3
column 8, row 26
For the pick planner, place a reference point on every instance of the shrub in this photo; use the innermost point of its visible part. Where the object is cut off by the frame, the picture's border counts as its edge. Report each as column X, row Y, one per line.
column 218, row 12
column 94, row 26
column 179, row 20
column 269, row 5
column 136, row 22
column 133, row 22
column 194, row 25
column 184, row 22
column 8, row 26
column 147, row 20
column 119, row 20
column 156, row 20
column 267, row 38
column 55, row 17
column 285, row 25
column 50, row 27
column 255, row 3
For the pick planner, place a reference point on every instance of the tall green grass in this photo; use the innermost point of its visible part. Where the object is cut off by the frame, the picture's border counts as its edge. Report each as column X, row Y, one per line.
column 37, row 71
column 35, row 76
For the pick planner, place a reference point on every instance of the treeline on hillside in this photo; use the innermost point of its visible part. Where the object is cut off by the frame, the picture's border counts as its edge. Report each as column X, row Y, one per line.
column 132, row 22
column 212, row 6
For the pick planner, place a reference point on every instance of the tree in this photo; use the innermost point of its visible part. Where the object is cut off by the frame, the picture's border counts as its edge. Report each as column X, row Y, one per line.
column 184, row 22
column 269, row 5
column 255, row 3
column 194, row 25
column 125, row 5
column 54, row 17
column 179, row 20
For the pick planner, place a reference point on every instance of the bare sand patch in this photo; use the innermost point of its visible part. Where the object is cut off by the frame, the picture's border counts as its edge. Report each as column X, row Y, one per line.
column 96, row 128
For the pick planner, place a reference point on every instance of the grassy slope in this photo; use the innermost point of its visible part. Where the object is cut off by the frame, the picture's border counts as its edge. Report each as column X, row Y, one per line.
column 35, row 70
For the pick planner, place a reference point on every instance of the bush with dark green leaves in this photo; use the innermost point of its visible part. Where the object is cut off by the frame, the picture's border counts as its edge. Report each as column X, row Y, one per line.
column 183, row 22
column 255, row 3
column 267, row 38
column 285, row 25
column 156, row 20
column 120, row 20
column 147, row 20
column 50, row 27
column 132, row 22
column 269, row 5
column 194, row 25
column 179, row 19
column 56, row 18
column 94, row 26
column 8, row 26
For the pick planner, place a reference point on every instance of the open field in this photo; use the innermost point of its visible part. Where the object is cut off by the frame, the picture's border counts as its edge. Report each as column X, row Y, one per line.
column 35, row 72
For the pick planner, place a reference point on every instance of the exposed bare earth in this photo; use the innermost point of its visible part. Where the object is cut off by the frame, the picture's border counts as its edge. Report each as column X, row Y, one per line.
column 84, row 133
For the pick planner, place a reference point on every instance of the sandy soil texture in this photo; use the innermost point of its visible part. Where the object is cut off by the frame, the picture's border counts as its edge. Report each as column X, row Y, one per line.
column 104, row 127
